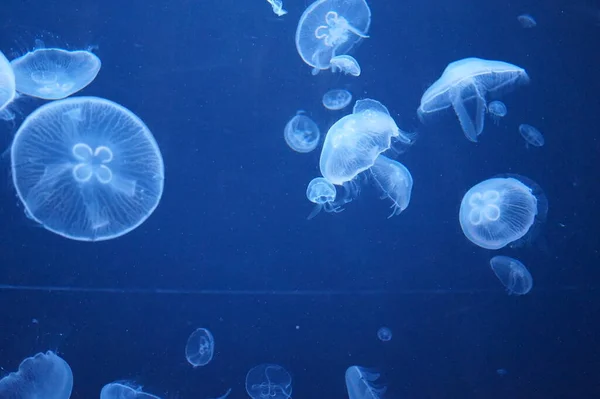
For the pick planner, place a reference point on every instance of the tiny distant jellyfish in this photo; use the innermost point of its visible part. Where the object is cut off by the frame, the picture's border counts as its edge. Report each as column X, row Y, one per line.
column 497, row 110
column 526, row 21
column 512, row 274
column 346, row 64
column 120, row 390
column 337, row 99
column 200, row 347
column 322, row 193
column 361, row 383
column 531, row 135
column 277, row 6
column 501, row 372
column 269, row 381
column 53, row 74
column 384, row 334
column 301, row 133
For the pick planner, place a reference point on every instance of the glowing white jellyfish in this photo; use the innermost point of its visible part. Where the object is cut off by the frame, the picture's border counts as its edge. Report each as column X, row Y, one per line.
column 7, row 88
column 346, row 64
column 337, row 99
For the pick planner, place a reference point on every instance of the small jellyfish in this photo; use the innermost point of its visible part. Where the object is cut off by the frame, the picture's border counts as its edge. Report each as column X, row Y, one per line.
column 531, row 135
column 124, row 390
column 200, row 347
column 499, row 211
column 346, row 64
column 301, row 133
column 384, row 334
column 501, row 372
column 52, row 73
column 322, row 193
column 44, row 375
column 526, row 21
column 269, row 381
column 7, row 87
column 361, row 383
column 512, row 274
column 87, row 168
column 337, row 99
column 277, row 6
column 466, row 80
column 329, row 28
column 497, row 111
column 394, row 181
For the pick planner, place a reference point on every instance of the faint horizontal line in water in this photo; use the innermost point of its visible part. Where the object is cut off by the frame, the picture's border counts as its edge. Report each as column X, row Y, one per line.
column 165, row 291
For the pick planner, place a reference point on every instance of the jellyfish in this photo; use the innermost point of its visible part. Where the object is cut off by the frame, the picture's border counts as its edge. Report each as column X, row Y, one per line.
column 384, row 334
column 322, row 193
column 394, row 181
column 354, row 142
column 7, row 88
column 501, row 210
column 466, row 80
column 269, row 381
column 361, row 383
column 512, row 274
column 337, row 99
column 531, row 135
column 87, row 168
column 497, row 110
column 45, row 375
column 277, row 6
column 53, row 73
column 527, row 21
column 329, row 28
column 346, row 64
column 200, row 347
column 301, row 133
column 124, row 390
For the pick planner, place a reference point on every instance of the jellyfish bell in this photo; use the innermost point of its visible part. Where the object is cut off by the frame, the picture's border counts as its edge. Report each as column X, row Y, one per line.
column 7, row 88
column 330, row 28
column 470, row 80
column 336, row 99
column 513, row 274
column 346, row 64
column 497, row 110
column 124, row 389
column 323, row 194
column 301, row 133
column 394, row 181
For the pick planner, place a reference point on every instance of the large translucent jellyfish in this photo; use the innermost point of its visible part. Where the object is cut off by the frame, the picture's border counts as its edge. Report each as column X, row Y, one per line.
column 470, row 80
column 301, row 133
column 53, row 73
column 269, row 381
column 394, row 181
column 87, row 168
column 329, row 28
column 361, row 383
column 322, row 193
column 531, row 135
column 44, row 375
column 501, row 210
column 512, row 274
column 120, row 390
column 200, row 347
column 355, row 141
column 7, row 87
column 337, row 99
column 346, row 64
column 497, row 110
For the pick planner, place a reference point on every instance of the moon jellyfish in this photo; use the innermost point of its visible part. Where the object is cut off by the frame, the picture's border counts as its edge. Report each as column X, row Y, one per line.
column 384, row 334
column 277, row 6
column 346, row 64
column 337, row 99
column 355, row 141
column 44, row 375
column 269, row 381
column 394, row 181
column 118, row 390
column 200, row 347
column 526, row 21
column 361, row 383
column 470, row 80
column 512, row 274
column 87, row 168
column 7, row 87
column 301, row 134
column 499, row 211
column 225, row 395
column 531, row 135
column 322, row 193
column 329, row 28
column 497, row 110
column 52, row 73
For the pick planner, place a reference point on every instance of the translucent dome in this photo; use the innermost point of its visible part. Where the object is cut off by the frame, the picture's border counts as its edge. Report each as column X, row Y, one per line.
column 346, row 64
column 7, row 83
column 470, row 79
column 394, row 181
column 52, row 73
column 200, row 347
column 513, row 274
column 328, row 28
column 499, row 211
column 301, row 133
column 87, row 168
column 362, row 383
column 322, row 193
column 337, row 99
column 118, row 390
column 269, row 381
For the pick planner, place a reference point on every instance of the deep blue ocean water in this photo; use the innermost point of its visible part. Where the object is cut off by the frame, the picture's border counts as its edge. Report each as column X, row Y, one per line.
column 216, row 82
